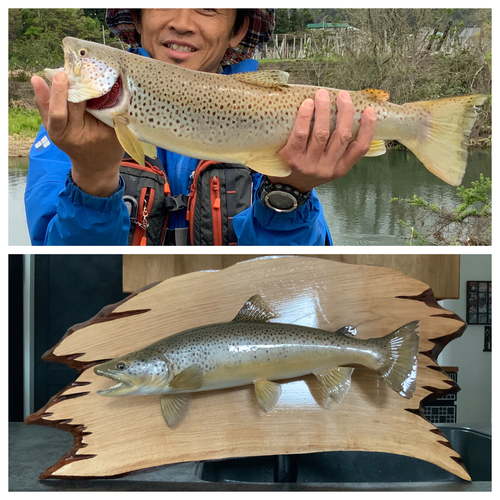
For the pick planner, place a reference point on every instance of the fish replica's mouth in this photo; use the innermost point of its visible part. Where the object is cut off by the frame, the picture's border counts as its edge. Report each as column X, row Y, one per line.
column 109, row 99
column 122, row 385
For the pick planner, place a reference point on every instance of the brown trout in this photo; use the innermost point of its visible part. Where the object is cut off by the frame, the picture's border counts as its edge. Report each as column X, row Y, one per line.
column 252, row 350
column 247, row 117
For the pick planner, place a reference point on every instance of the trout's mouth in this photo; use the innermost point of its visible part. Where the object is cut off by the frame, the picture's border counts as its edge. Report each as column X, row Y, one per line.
column 123, row 385
column 109, row 99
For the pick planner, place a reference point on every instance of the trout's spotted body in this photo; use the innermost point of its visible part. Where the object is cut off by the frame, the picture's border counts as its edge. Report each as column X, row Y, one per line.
column 248, row 117
column 249, row 350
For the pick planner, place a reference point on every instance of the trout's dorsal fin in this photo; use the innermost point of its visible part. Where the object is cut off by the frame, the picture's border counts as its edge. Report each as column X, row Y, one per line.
column 189, row 379
column 256, row 309
column 336, row 382
column 267, row 394
column 348, row 330
column 268, row 78
column 376, row 94
column 174, row 408
column 377, row 148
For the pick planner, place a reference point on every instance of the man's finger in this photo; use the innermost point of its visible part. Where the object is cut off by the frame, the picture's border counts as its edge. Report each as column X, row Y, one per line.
column 321, row 130
column 58, row 111
column 360, row 146
column 342, row 134
column 297, row 142
column 42, row 97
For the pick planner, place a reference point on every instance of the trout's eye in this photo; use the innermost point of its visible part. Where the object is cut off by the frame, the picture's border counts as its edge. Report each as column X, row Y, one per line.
column 121, row 366
column 83, row 52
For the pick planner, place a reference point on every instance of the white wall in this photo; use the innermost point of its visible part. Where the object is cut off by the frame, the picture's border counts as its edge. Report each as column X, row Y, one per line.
column 474, row 366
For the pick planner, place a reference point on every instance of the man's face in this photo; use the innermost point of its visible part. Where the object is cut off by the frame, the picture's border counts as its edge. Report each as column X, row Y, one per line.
column 192, row 38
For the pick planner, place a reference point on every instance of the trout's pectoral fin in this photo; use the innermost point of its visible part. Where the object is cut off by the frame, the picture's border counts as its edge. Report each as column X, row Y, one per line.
column 256, row 309
column 377, row 148
column 189, row 379
column 133, row 146
column 267, row 394
column 336, row 382
column 174, row 408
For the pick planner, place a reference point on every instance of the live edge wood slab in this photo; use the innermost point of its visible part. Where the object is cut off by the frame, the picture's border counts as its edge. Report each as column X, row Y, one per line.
column 114, row 437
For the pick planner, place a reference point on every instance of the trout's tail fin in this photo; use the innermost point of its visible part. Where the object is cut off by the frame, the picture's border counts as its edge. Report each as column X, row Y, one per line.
column 443, row 149
column 400, row 368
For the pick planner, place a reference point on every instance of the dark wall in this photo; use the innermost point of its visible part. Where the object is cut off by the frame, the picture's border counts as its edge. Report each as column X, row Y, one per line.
column 69, row 289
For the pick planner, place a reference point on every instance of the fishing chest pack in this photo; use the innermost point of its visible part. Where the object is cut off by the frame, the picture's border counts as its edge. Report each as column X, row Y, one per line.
column 218, row 193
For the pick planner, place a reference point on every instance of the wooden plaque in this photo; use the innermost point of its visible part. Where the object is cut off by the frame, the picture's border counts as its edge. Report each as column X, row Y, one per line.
column 116, row 436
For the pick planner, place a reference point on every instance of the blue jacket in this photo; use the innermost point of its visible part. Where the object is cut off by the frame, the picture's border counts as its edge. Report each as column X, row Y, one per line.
column 60, row 213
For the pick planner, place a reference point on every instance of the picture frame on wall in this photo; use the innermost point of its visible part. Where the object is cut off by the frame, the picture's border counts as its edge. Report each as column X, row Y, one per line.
column 479, row 309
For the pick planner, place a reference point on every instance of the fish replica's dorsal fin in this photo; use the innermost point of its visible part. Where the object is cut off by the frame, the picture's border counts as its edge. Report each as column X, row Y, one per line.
column 348, row 330
column 256, row 309
column 189, row 379
column 376, row 94
column 268, row 78
column 336, row 382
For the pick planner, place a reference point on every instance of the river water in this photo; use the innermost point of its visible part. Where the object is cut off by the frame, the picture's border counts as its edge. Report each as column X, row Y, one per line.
column 357, row 207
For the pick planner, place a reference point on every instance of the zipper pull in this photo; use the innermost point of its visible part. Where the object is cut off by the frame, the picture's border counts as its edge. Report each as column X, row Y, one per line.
column 216, row 189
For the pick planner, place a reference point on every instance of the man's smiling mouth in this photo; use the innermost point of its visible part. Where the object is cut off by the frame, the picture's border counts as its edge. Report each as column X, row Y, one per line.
column 180, row 48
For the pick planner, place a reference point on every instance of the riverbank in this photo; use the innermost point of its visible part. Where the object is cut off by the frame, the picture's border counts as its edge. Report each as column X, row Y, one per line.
column 20, row 146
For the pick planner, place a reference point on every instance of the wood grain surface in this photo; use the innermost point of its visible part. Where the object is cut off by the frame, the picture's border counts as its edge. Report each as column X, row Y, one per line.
column 117, row 436
column 440, row 272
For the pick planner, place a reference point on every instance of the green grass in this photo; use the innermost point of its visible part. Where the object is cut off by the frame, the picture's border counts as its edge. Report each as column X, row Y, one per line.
column 24, row 122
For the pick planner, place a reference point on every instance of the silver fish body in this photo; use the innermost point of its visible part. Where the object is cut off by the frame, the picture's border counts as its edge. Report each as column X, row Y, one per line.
column 252, row 350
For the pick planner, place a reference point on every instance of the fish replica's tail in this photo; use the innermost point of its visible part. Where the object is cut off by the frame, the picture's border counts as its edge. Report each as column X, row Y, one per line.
column 400, row 368
column 443, row 149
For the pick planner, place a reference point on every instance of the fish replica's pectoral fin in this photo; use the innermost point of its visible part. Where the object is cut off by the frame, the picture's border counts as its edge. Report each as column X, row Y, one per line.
column 256, row 309
column 267, row 394
column 268, row 78
column 174, row 408
column 377, row 148
column 133, row 146
column 189, row 379
column 400, row 369
column 336, row 382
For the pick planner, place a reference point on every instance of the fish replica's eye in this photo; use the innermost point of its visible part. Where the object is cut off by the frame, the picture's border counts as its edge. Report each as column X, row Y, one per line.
column 121, row 366
column 83, row 52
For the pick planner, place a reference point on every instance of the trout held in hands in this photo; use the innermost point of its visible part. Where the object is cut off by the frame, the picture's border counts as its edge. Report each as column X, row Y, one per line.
column 251, row 350
column 247, row 117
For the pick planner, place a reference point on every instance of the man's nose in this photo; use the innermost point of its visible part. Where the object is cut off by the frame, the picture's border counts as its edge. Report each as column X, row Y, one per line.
column 182, row 20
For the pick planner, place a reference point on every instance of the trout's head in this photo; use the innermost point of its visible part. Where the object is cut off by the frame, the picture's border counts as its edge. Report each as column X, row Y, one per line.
column 138, row 373
column 93, row 72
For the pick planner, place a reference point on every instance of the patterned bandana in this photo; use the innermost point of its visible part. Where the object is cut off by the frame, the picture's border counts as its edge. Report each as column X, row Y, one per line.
column 259, row 31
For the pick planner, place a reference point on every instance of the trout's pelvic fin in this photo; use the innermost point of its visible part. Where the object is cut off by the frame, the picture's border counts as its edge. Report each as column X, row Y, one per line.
column 336, row 382
column 400, row 369
column 256, row 309
column 268, row 78
column 189, row 379
column 267, row 165
column 267, row 394
column 174, row 408
column 133, row 146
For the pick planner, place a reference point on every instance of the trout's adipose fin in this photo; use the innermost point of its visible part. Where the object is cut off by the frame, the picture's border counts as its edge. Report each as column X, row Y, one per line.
column 400, row 369
column 256, row 309
column 336, row 382
column 267, row 394
column 174, row 408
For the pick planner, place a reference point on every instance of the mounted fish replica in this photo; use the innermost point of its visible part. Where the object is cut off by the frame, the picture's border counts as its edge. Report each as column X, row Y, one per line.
column 251, row 350
column 247, row 117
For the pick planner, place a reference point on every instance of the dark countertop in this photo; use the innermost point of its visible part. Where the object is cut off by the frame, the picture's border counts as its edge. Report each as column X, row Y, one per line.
column 34, row 448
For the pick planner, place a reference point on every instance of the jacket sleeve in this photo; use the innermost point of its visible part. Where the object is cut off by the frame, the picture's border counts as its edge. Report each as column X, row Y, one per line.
column 259, row 225
column 58, row 212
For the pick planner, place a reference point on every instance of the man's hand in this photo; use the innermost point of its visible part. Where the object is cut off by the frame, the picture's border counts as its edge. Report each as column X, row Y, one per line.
column 92, row 146
column 316, row 157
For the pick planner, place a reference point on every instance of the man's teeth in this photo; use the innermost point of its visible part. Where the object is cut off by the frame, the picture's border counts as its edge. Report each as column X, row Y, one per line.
column 180, row 48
